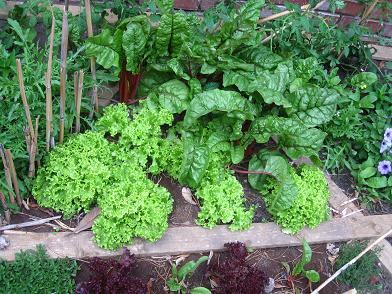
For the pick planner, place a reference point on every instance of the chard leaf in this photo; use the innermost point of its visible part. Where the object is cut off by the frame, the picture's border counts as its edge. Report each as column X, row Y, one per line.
column 190, row 267
column 261, row 56
column 172, row 95
column 178, row 69
column 219, row 100
column 134, row 41
column 305, row 258
column 237, row 153
column 294, row 137
column 280, row 170
column 306, row 68
column 250, row 12
column 151, row 79
column 102, row 47
column 171, row 34
column 194, row 163
column 269, row 85
column 165, row 6
column 312, row 276
column 313, row 105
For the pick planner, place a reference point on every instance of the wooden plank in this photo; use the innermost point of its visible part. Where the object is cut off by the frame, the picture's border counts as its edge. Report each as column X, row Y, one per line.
column 337, row 199
column 383, row 53
column 179, row 240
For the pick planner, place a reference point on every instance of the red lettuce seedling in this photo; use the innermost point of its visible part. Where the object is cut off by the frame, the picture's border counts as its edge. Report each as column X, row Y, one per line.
column 110, row 276
column 234, row 276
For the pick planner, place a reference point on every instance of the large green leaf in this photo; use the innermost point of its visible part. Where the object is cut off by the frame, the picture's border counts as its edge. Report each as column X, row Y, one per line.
column 190, row 267
column 294, row 137
column 219, row 100
column 270, row 86
column 171, row 34
column 279, row 168
column 260, row 55
column 194, row 163
column 134, row 41
column 103, row 48
column 165, row 6
column 305, row 258
column 313, row 105
column 172, row 95
column 364, row 79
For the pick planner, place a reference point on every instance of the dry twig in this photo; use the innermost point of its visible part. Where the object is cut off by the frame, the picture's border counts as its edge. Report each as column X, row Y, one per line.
column 29, row 224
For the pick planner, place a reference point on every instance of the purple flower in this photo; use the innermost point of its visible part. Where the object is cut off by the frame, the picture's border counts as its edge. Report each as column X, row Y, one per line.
column 388, row 135
column 384, row 167
column 385, row 145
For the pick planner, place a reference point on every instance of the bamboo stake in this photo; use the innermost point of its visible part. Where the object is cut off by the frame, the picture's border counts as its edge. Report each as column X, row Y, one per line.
column 351, row 262
column 94, row 97
column 63, row 74
column 7, row 212
column 287, row 12
column 48, row 84
column 14, row 177
column 7, row 172
column 79, row 100
column 76, row 86
column 368, row 11
column 24, row 99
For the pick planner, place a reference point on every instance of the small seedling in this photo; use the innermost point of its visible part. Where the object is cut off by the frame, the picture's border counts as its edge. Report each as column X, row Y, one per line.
column 177, row 282
column 298, row 270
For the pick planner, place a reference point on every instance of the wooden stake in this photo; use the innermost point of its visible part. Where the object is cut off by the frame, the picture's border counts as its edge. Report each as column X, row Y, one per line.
column 351, row 262
column 79, row 100
column 287, row 12
column 76, row 86
column 24, row 99
column 7, row 172
column 48, row 84
column 63, row 74
column 94, row 97
column 368, row 11
column 14, row 177
column 7, row 212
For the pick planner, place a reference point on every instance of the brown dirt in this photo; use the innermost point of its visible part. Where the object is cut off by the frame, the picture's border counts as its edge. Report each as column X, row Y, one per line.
column 268, row 260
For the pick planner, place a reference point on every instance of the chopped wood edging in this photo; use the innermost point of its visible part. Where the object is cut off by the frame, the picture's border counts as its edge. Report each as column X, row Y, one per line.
column 179, row 240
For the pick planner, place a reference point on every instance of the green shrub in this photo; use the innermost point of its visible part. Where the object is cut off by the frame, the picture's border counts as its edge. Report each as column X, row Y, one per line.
column 310, row 206
column 34, row 272
column 358, row 275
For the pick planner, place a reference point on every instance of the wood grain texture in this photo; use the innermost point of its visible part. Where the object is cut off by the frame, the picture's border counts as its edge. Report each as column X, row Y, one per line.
column 195, row 239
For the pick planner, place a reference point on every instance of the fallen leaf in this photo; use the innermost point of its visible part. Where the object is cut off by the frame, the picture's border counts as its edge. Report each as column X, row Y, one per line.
column 187, row 194
column 88, row 220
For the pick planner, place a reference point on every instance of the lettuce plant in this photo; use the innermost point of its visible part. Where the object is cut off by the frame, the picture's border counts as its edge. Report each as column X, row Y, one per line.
column 75, row 174
column 89, row 169
column 310, row 205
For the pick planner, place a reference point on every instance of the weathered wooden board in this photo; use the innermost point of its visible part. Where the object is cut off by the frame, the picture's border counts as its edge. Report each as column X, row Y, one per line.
column 382, row 53
column 195, row 239
column 339, row 202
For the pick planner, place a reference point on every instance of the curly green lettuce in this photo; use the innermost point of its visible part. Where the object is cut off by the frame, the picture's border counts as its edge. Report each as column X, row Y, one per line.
column 310, row 207
column 74, row 174
column 221, row 197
